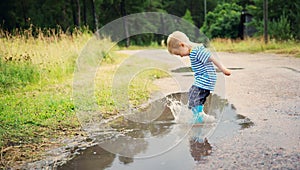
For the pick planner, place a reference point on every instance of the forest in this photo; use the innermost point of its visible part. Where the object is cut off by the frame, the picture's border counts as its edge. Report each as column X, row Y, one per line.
column 41, row 40
column 215, row 18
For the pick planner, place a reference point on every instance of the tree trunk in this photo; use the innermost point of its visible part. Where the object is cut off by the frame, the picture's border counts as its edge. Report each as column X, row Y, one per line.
column 94, row 15
column 78, row 13
column 123, row 13
column 74, row 12
column 162, row 41
column 84, row 13
column 266, row 21
column 23, row 3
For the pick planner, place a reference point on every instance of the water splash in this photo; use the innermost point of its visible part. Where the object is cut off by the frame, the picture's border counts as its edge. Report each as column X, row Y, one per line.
column 179, row 110
column 208, row 118
column 182, row 114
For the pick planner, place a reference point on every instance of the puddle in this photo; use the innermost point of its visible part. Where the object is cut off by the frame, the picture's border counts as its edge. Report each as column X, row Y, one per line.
column 292, row 69
column 163, row 140
column 235, row 68
column 189, row 69
column 182, row 70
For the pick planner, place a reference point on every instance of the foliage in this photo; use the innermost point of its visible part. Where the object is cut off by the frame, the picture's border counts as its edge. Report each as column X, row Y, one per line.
column 68, row 15
column 254, row 45
column 188, row 17
column 223, row 21
column 14, row 74
column 197, row 10
column 94, row 14
column 36, row 103
column 35, row 89
column 280, row 29
column 287, row 19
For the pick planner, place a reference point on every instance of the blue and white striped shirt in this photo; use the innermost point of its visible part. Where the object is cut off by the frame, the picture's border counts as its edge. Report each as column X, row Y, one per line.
column 205, row 74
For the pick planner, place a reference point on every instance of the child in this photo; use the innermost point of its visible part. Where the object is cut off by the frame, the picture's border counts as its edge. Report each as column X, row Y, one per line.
column 202, row 65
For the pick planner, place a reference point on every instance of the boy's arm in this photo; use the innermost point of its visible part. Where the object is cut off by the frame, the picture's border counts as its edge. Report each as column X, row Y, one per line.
column 226, row 71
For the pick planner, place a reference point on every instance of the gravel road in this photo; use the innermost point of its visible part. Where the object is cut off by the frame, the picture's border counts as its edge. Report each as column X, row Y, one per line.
column 265, row 88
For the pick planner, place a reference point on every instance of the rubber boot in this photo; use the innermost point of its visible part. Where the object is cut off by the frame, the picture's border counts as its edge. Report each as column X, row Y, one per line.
column 197, row 114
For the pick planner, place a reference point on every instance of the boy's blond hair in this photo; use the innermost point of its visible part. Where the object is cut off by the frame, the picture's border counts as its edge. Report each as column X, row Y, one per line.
column 174, row 40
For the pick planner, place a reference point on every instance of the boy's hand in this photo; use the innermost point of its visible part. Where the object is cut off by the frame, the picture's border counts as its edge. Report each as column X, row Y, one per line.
column 227, row 72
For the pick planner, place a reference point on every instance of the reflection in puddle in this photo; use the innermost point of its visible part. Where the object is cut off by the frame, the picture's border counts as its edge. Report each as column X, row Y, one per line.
column 199, row 148
column 159, row 142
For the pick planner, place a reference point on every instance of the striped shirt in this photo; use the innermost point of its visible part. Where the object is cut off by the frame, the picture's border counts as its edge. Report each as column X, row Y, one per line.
column 205, row 73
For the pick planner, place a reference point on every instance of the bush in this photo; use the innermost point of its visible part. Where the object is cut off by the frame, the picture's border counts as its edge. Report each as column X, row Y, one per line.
column 223, row 22
column 280, row 29
column 188, row 17
column 283, row 25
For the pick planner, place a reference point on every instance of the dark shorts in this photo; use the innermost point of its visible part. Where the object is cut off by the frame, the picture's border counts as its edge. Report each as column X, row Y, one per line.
column 197, row 96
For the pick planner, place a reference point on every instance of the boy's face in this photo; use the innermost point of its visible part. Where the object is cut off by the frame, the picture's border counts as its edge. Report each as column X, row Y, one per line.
column 182, row 50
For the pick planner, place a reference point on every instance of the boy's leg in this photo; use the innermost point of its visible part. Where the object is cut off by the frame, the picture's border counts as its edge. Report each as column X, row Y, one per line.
column 197, row 114
column 197, row 98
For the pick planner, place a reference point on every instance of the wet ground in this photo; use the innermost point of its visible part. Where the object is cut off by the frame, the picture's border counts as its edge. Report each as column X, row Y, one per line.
column 259, row 127
column 162, row 143
column 267, row 92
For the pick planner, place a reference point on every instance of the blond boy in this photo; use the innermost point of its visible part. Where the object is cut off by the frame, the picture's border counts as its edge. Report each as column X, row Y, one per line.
column 202, row 65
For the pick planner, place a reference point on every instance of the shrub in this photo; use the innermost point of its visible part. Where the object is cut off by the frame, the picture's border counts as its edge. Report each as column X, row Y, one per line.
column 223, row 21
column 280, row 29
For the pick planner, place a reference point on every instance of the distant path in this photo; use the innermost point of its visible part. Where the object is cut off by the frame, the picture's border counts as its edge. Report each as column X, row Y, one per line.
column 265, row 88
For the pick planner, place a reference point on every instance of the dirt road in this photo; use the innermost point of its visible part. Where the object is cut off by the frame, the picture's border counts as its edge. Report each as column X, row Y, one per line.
column 262, row 87
column 265, row 88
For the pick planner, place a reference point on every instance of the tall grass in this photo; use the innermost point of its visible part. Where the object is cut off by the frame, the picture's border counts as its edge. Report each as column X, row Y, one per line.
column 254, row 45
column 54, row 54
column 35, row 90
column 36, row 76
column 15, row 74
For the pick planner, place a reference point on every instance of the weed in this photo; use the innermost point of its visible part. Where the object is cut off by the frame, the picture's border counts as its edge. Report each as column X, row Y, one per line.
column 254, row 45
column 16, row 74
column 36, row 76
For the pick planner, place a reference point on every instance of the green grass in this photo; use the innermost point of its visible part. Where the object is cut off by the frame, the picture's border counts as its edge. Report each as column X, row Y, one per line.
column 22, row 114
column 252, row 45
column 36, row 76
column 36, row 102
column 16, row 74
column 36, row 93
column 136, row 83
column 140, row 87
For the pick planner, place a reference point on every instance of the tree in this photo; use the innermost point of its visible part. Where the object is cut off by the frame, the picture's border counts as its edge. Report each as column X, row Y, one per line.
column 95, row 19
column 123, row 12
column 197, row 10
column 188, row 17
column 287, row 18
column 223, row 21
column 176, row 7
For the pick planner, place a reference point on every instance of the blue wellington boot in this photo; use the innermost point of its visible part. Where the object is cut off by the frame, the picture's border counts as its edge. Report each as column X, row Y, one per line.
column 197, row 114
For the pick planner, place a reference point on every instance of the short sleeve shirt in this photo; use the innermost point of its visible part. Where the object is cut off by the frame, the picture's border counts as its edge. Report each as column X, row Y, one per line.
column 204, row 71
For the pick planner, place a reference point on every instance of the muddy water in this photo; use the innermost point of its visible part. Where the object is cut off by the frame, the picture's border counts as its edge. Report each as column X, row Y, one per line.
column 160, row 141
